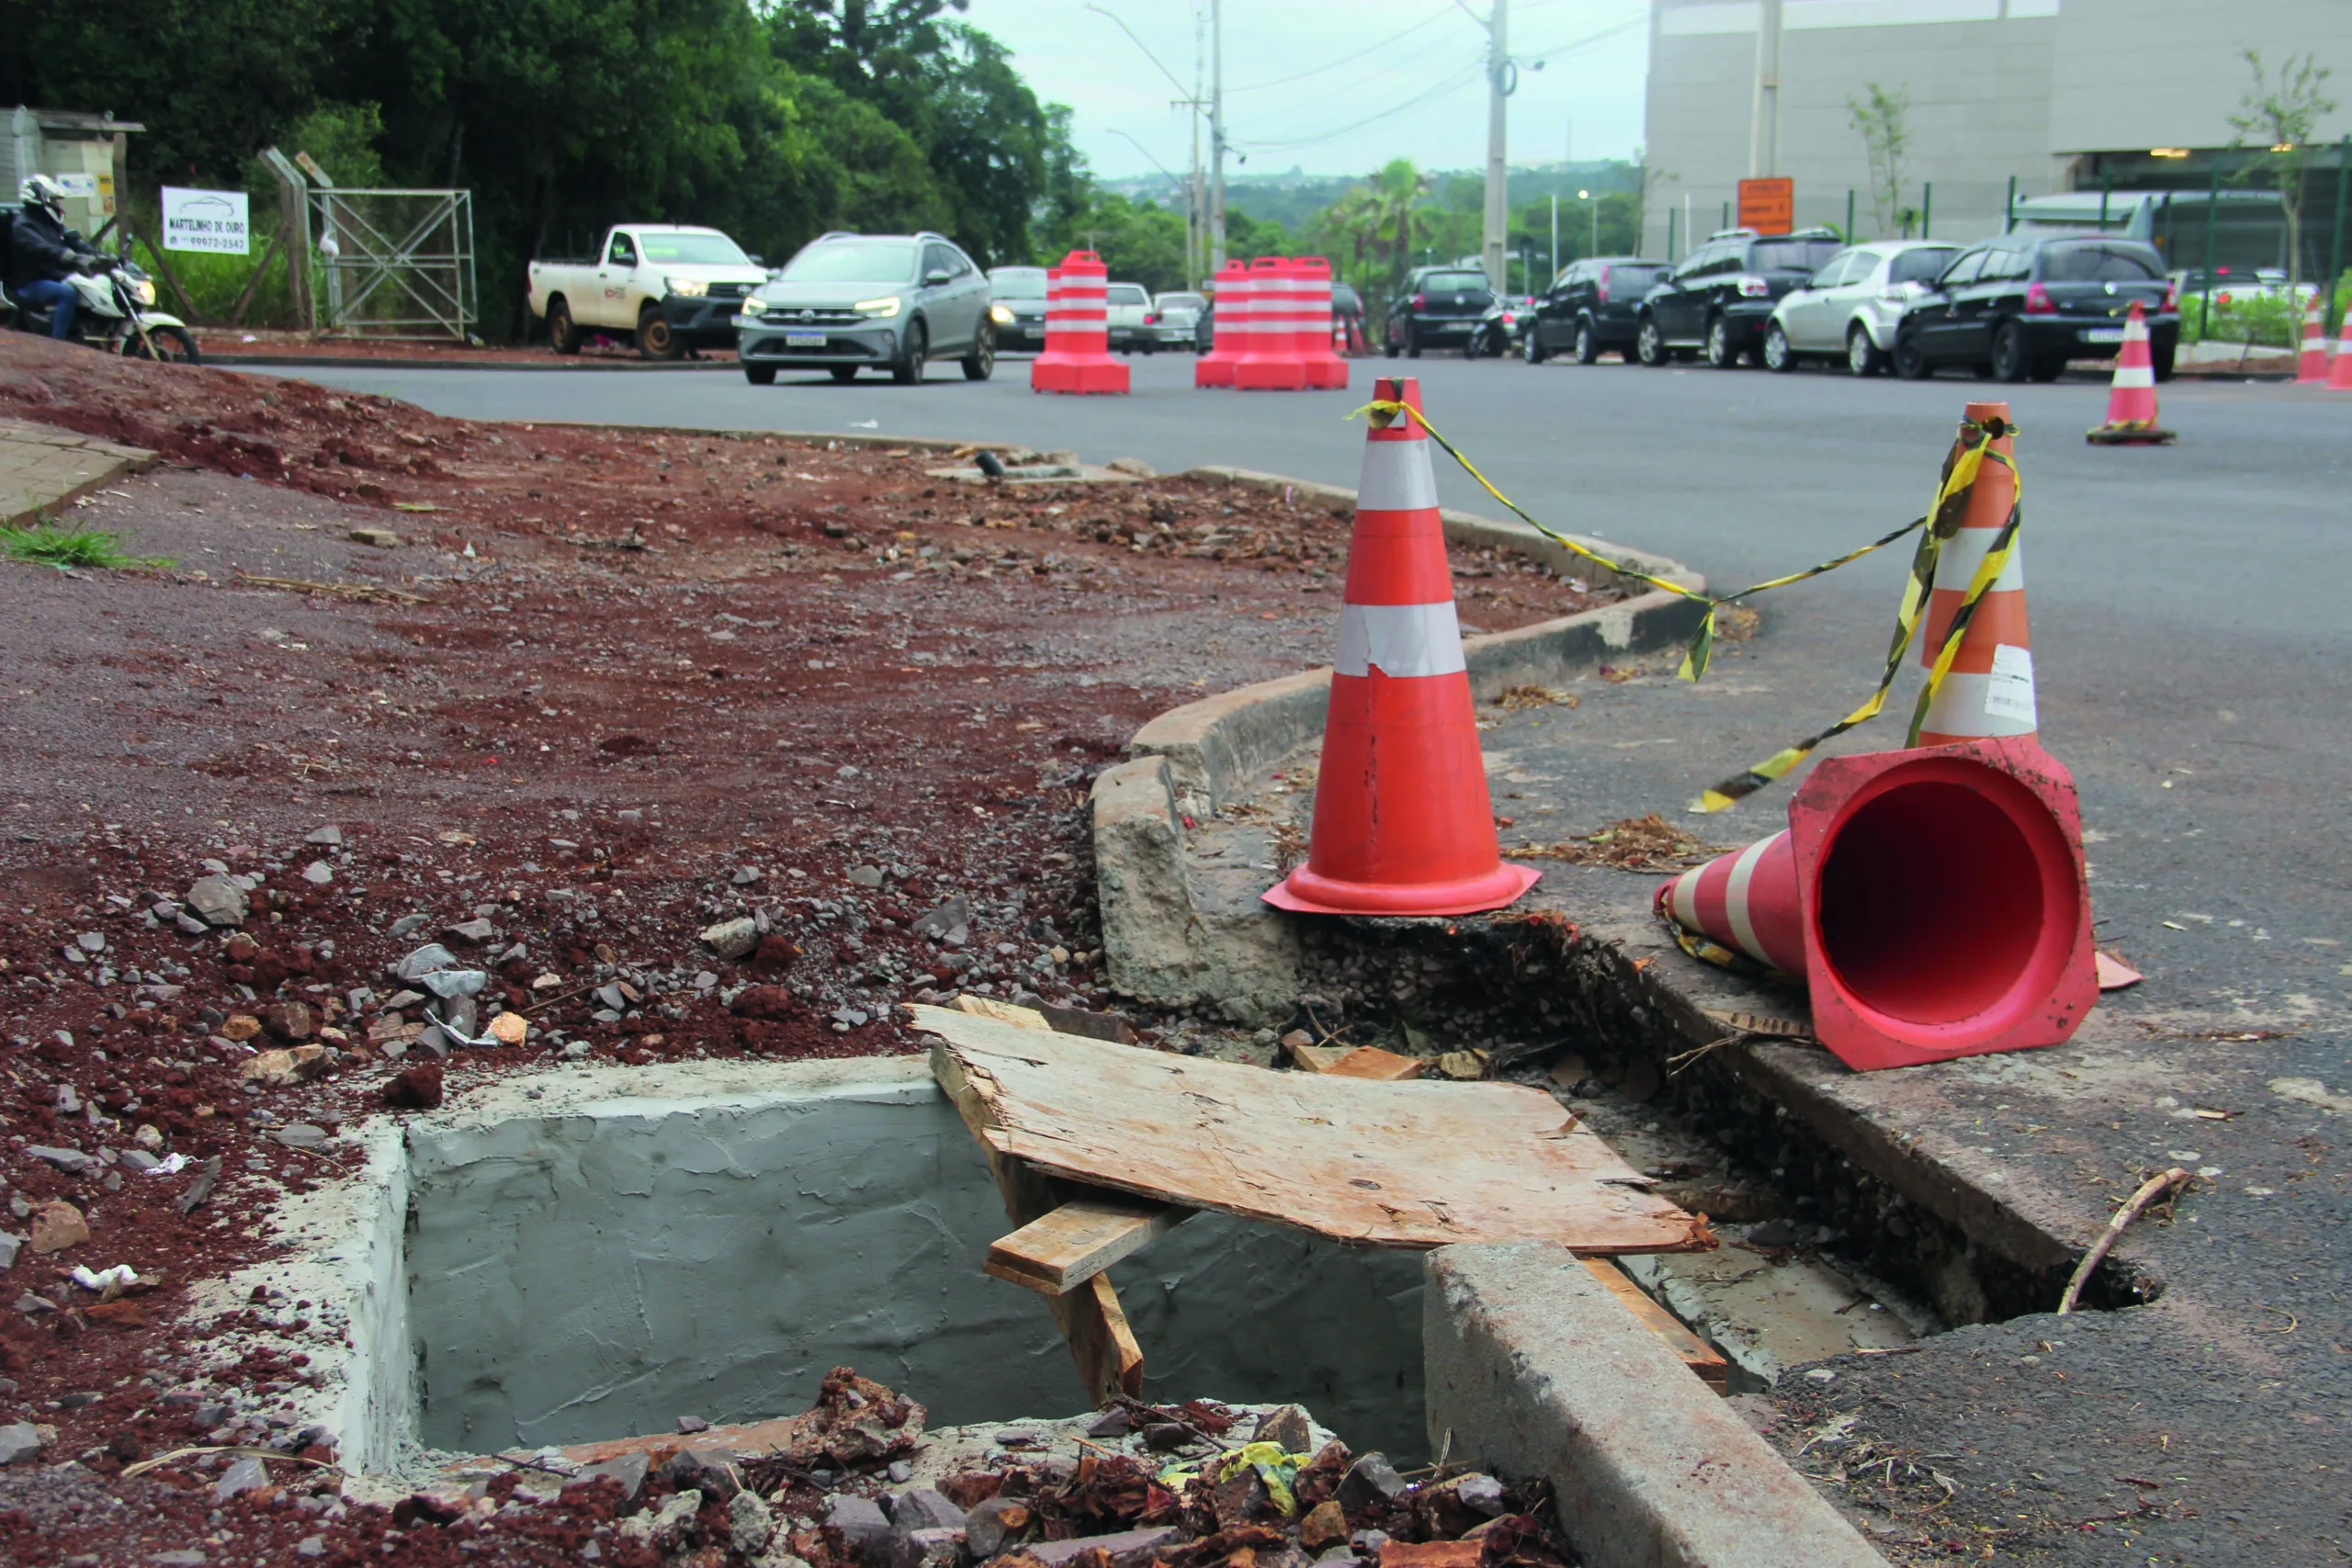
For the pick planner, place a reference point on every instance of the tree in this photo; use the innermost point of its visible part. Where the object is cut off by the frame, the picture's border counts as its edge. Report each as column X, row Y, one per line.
column 2280, row 114
column 1884, row 120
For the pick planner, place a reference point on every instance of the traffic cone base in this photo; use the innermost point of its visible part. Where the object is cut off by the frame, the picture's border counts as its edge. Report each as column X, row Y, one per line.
column 1934, row 900
column 1403, row 821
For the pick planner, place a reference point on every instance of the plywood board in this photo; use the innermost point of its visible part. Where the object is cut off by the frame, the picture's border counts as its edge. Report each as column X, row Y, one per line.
column 1411, row 1165
column 1056, row 1254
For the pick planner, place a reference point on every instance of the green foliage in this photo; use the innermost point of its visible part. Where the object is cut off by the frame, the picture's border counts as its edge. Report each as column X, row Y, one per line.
column 1883, row 121
column 46, row 543
column 2280, row 115
column 1138, row 242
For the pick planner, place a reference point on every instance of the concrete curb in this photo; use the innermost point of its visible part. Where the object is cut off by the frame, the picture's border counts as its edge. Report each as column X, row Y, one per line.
column 1165, row 940
column 1648, row 1466
column 59, row 466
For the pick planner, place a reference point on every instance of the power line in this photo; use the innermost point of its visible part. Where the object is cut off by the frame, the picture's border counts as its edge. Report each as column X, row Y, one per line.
column 1460, row 78
column 1359, row 89
column 1626, row 26
column 1438, row 16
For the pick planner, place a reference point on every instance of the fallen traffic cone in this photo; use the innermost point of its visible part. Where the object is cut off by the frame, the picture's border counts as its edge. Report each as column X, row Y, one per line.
column 2339, row 375
column 1988, row 690
column 1934, row 903
column 2312, row 364
column 1403, row 822
column 2131, row 403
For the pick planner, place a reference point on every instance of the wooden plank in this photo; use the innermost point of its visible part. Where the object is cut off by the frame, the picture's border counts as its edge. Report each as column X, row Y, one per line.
column 1091, row 1322
column 1378, row 1065
column 1697, row 1354
column 1003, row 1012
column 1412, row 1164
column 1066, row 1248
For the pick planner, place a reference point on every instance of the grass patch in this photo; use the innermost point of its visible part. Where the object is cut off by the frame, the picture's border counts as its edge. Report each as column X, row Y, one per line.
column 53, row 544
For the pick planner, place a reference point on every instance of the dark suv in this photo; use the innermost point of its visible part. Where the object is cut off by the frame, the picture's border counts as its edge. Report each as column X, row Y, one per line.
column 1592, row 307
column 2023, row 305
column 1438, row 305
column 1718, row 298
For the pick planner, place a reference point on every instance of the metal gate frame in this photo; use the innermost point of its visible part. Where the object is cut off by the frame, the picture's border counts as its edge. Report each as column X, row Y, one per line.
column 411, row 284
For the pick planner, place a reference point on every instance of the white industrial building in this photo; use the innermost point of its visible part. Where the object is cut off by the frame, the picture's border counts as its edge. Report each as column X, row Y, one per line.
column 2054, row 94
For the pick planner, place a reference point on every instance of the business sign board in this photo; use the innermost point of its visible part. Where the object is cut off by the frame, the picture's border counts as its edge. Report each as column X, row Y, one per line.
column 1769, row 207
column 211, row 220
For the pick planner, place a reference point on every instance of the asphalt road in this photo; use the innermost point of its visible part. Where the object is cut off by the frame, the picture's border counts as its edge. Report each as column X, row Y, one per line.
column 2189, row 642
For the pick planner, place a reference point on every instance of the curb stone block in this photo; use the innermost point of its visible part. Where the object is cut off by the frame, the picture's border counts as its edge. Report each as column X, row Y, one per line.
column 1537, row 1370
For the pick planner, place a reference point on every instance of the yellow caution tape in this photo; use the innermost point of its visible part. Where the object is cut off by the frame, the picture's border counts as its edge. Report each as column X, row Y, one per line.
column 1969, row 455
column 1276, row 1469
column 1701, row 648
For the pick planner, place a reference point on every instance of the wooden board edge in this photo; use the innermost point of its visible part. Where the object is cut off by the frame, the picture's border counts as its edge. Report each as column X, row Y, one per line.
column 1011, row 1260
column 1704, row 1360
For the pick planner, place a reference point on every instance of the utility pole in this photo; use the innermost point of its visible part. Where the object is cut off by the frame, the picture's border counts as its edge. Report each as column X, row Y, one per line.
column 1764, row 136
column 1196, row 216
column 1216, row 135
column 1555, row 236
column 1502, row 77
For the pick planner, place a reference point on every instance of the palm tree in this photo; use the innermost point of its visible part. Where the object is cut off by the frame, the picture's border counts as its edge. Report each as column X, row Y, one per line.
column 1380, row 220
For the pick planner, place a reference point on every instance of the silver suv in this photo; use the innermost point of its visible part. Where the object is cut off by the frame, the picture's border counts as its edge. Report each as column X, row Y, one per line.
column 885, row 301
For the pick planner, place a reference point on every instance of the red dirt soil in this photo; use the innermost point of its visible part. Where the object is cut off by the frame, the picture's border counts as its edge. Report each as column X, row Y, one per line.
column 611, row 687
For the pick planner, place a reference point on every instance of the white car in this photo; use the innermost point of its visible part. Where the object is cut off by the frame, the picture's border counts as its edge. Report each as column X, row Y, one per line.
column 1848, row 308
column 673, row 287
column 1173, row 320
column 1126, row 305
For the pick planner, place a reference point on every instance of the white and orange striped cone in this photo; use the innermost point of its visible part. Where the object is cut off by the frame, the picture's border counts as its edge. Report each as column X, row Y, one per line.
column 2312, row 364
column 1403, row 822
column 1325, row 368
column 2131, row 403
column 2339, row 375
column 1228, row 326
column 1271, row 362
column 1077, row 330
column 1988, row 690
column 1933, row 903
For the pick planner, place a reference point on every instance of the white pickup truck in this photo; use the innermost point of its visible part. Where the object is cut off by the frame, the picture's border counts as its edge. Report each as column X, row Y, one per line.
column 672, row 288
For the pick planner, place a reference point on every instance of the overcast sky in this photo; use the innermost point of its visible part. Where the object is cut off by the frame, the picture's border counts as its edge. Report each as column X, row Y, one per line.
column 1322, row 69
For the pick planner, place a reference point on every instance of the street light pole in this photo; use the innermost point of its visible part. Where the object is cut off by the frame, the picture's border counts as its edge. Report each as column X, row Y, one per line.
column 1216, row 135
column 1586, row 198
column 1500, row 74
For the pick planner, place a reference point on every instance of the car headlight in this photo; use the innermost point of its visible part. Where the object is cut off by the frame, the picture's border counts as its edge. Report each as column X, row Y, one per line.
column 687, row 287
column 754, row 306
column 1001, row 315
column 143, row 292
column 879, row 308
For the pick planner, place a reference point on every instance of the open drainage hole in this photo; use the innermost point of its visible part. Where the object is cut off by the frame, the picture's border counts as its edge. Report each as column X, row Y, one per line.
column 599, row 1273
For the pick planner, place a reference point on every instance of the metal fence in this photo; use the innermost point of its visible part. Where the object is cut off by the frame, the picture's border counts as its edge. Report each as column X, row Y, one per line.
column 397, row 264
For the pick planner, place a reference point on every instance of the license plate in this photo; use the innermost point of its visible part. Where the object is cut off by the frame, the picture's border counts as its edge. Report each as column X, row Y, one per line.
column 2102, row 334
column 804, row 340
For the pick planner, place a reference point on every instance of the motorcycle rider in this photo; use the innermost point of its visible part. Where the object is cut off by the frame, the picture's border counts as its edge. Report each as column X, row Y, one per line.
column 42, row 253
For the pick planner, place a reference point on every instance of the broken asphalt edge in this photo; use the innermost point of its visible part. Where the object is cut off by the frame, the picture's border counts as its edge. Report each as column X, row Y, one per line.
column 1648, row 1465
column 1164, row 944
column 128, row 460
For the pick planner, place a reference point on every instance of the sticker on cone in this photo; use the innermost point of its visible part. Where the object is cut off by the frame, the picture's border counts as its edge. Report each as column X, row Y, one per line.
column 2131, row 402
column 1403, row 822
column 1934, row 902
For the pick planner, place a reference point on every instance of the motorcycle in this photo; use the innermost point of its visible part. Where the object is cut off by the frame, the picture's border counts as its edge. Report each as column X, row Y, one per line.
column 114, row 315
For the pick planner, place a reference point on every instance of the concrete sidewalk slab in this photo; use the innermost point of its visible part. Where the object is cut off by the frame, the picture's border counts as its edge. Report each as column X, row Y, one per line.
column 42, row 469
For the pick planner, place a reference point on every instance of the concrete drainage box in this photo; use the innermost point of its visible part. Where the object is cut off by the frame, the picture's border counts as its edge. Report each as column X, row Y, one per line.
column 591, row 1252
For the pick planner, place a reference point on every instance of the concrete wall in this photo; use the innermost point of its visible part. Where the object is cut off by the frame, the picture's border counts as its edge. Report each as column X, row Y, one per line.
column 591, row 1266
column 2143, row 74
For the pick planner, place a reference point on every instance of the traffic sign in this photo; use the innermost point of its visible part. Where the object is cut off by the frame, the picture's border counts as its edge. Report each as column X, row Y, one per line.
column 1769, row 207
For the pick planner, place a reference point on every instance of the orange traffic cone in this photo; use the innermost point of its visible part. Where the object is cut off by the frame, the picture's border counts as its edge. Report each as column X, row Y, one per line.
column 1077, row 330
column 2131, row 403
column 1934, row 903
column 1403, row 823
column 2312, row 364
column 1988, row 691
column 2339, row 376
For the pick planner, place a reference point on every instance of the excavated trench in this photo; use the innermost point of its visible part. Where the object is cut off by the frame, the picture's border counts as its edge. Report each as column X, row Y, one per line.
column 1824, row 1255
column 582, row 1256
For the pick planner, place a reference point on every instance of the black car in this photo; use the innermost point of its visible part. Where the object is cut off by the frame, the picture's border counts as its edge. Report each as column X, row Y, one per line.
column 1595, row 305
column 1719, row 297
column 1437, row 306
column 1017, row 306
column 2022, row 306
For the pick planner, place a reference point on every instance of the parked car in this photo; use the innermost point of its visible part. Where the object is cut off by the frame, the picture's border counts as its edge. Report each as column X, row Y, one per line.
column 1851, row 306
column 890, row 301
column 1171, row 322
column 1718, row 298
column 2239, row 284
column 1498, row 331
column 1204, row 327
column 1592, row 307
column 2022, row 305
column 673, row 288
column 1437, row 306
column 1124, row 307
column 1017, row 306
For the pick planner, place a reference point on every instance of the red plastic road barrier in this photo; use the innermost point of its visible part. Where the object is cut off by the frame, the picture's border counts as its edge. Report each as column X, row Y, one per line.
column 1320, row 341
column 2339, row 375
column 1934, row 903
column 2131, row 403
column 1077, row 330
column 1229, row 324
column 1989, row 689
column 1403, row 823
column 2312, row 364
column 1271, row 362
